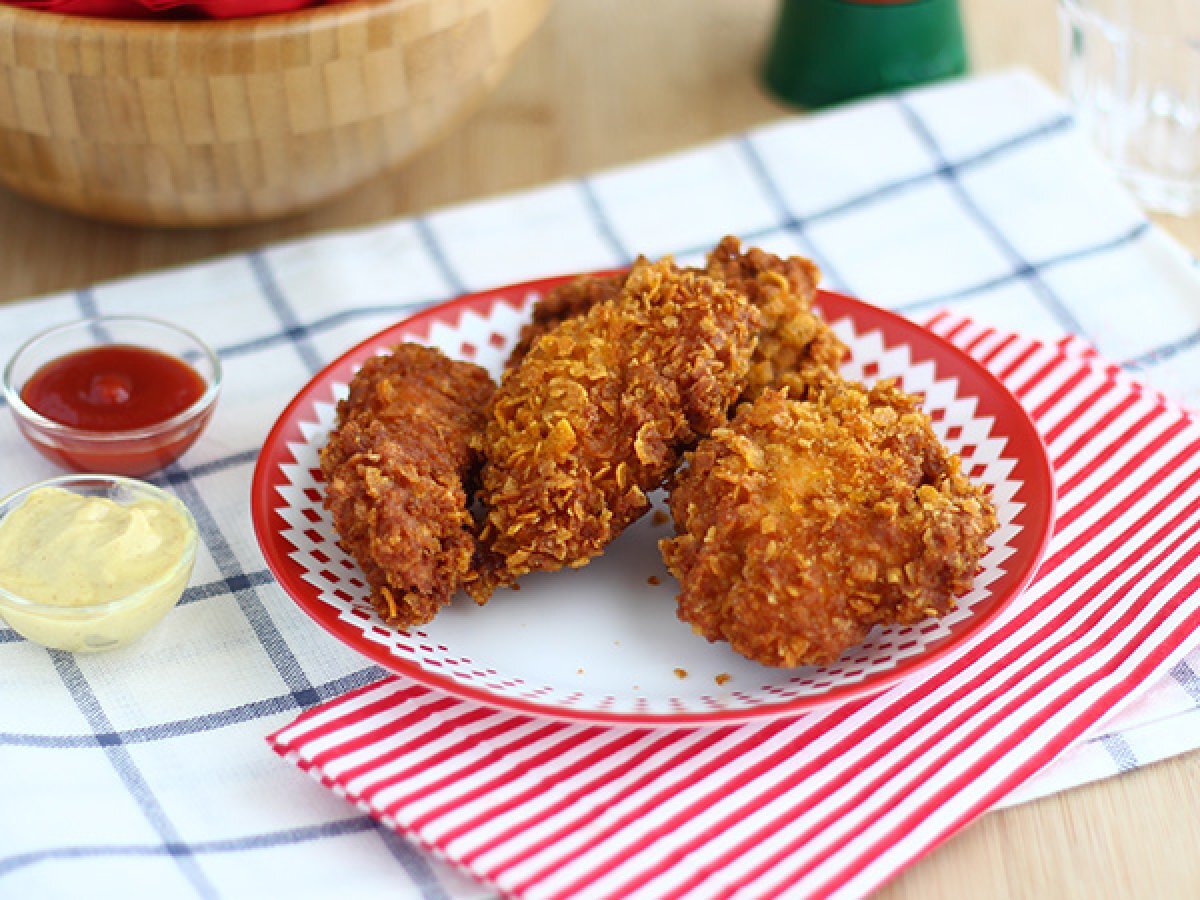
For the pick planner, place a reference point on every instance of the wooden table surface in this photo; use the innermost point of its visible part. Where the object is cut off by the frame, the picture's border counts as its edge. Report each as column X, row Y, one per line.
column 610, row 81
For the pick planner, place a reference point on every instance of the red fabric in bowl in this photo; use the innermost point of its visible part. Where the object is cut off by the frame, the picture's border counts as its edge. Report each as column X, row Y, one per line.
column 169, row 9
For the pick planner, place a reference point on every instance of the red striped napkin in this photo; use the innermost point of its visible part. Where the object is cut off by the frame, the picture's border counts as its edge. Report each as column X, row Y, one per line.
column 832, row 803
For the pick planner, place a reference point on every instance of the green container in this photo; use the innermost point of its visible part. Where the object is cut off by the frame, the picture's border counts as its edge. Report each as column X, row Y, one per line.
column 827, row 51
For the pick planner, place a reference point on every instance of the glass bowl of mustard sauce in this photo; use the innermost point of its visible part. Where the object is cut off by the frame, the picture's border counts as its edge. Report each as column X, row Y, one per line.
column 120, row 394
column 92, row 562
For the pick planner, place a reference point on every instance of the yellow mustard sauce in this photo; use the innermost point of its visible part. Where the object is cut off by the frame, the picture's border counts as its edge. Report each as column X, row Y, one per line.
column 89, row 573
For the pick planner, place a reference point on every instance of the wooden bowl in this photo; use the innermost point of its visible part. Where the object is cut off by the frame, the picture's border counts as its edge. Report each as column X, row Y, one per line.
column 219, row 123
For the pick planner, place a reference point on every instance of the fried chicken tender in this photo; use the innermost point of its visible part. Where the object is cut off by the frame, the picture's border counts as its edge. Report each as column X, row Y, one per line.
column 804, row 523
column 795, row 347
column 398, row 469
column 598, row 412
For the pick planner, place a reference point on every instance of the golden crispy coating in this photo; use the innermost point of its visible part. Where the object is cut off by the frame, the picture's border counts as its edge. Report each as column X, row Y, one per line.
column 803, row 524
column 564, row 302
column 397, row 469
column 796, row 348
column 597, row 413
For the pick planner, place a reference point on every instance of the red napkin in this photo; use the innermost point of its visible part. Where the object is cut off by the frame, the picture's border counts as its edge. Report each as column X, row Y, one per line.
column 145, row 9
column 835, row 802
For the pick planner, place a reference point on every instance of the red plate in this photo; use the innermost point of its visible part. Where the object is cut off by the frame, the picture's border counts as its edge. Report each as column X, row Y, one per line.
column 602, row 644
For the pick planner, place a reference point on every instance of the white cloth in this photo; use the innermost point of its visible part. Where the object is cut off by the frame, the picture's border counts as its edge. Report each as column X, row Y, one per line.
column 144, row 771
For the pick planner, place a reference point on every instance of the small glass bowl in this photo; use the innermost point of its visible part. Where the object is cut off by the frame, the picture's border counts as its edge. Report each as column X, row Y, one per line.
column 137, row 451
column 101, row 626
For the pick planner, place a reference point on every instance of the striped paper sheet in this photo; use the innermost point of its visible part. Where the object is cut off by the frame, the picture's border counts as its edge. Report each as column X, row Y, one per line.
column 832, row 803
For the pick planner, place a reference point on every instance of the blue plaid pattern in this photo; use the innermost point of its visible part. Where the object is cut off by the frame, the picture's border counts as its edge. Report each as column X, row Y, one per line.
column 146, row 767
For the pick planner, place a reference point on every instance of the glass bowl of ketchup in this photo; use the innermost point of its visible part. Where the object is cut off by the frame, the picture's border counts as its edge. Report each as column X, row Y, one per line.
column 120, row 394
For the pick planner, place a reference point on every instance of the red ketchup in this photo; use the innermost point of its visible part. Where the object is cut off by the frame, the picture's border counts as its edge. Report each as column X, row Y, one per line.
column 119, row 394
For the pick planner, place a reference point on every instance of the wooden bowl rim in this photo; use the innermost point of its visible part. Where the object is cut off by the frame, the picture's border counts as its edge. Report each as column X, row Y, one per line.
column 58, row 26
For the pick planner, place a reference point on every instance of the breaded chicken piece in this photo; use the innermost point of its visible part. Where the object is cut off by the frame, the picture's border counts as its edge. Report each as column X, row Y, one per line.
column 398, row 469
column 803, row 524
column 564, row 302
column 598, row 412
column 795, row 347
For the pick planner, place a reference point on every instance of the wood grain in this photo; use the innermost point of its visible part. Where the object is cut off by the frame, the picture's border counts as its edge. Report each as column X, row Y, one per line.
column 219, row 123
column 610, row 81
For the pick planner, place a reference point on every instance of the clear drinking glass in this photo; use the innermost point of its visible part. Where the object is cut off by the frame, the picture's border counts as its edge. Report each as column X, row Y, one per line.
column 1132, row 71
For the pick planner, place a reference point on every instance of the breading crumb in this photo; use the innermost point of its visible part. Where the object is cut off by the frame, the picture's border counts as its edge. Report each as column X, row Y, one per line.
column 681, row 673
